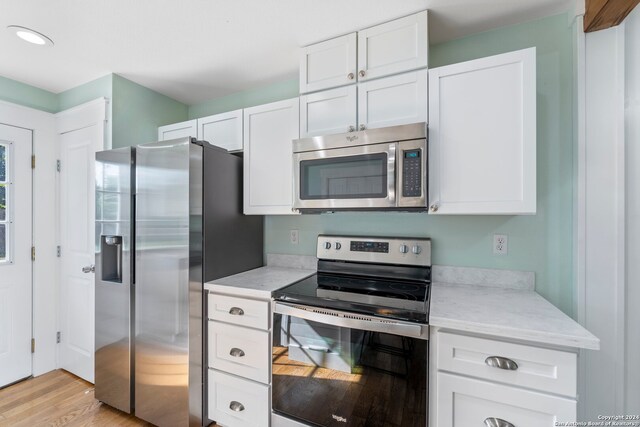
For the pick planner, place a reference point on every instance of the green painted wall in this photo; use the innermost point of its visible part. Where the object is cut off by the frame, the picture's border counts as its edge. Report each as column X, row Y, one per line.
column 541, row 243
column 248, row 98
column 138, row 111
column 29, row 96
column 98, row 88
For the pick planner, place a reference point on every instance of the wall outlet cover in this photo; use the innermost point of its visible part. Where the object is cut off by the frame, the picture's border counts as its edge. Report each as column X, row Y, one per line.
column 500, row 244
column 294, row 237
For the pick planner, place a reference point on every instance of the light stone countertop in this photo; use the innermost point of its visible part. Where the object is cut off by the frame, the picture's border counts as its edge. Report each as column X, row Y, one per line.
column 508, row 313
column 258, row 283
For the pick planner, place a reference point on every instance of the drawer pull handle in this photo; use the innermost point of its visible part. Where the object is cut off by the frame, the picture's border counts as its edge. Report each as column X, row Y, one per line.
column 236, row 311
column 236, row 406
column 236, row 352
column 501, row 363
column 497, row 422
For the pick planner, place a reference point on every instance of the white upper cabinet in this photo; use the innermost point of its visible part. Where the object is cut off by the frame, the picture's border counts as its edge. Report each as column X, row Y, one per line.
column 222, row 130
column 390, row 48
column 393, row 47
column 327, row 112
column 482, row 136
column 178, row 130
column 395, row 100
column 328, row 64
column 268, row 160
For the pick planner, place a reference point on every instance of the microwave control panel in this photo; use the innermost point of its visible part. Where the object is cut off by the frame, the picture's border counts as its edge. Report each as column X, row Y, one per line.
column 411, row 173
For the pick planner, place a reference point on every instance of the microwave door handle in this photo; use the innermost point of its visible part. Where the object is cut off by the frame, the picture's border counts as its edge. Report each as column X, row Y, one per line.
column 391, row 174
column 368, row 323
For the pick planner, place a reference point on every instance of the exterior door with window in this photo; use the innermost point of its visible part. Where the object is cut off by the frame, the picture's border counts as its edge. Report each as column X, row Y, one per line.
column 15, row 253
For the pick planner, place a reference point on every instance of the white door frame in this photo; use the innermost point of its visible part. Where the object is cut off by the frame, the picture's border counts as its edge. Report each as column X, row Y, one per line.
column 45, row 286
column 85, row 115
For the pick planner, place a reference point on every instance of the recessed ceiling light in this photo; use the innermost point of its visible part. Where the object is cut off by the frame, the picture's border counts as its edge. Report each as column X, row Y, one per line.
column 31, row 36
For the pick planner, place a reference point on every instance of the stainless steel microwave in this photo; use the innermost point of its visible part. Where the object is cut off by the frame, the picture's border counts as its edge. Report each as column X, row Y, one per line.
column 376, row 169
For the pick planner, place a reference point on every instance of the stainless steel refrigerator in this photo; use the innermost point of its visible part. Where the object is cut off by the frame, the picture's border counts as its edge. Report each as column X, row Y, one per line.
column 168, row 218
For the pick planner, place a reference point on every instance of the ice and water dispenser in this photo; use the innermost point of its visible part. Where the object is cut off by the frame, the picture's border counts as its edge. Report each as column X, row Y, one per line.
column 111, row 250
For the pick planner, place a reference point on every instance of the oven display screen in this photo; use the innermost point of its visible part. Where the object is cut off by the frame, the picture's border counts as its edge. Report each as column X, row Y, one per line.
column 357, row 246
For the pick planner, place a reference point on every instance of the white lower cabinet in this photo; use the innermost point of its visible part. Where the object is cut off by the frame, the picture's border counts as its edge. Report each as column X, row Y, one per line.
column 235, row 402
column 491, row 382
column 465, row 402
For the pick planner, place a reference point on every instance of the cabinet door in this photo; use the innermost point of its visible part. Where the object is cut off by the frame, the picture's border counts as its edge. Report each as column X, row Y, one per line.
column 178, row 130
column 395, row 100
column 482, row 136
column 328, row 64
column 268, row 159
column 327, row 112
column 222, row 130
column 393, row 47
column 464, row 402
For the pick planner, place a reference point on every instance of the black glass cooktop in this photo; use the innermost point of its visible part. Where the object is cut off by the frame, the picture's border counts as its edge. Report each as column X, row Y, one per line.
column 403, row 300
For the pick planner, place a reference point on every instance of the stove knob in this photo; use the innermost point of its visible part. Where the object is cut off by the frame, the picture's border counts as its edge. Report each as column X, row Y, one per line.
column 338, row 246
column 327, row 245
column 404, row 249
column 416, row 249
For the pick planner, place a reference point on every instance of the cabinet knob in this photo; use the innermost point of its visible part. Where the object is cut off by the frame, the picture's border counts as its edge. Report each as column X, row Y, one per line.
column 236, row 406
column 89, row 269
column 362, row 127
column 352, row 128
column 501, row 363
column 236, row 311
column 236, row 352
column 433, row 208
column 361, row 73
column 497, row 422
column 350, row 76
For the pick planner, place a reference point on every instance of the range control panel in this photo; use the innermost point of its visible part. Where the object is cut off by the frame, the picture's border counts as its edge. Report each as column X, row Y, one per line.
column 380, row 250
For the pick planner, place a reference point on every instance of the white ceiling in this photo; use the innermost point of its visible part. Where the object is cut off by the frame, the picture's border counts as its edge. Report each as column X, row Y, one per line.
column 194, row 50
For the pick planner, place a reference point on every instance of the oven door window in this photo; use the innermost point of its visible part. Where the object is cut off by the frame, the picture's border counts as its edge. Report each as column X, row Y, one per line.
column 351, row 177
column 327, row 375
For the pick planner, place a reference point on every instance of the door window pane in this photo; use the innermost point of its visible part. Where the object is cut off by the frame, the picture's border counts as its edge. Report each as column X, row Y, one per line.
column 4, row 201
column 354, row 177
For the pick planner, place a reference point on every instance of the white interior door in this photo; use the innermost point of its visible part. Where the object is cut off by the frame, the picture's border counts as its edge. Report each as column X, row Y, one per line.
column 15, row 254
column 77, row 231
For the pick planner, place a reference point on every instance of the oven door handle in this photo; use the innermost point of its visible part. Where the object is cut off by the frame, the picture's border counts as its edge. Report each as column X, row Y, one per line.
column 353, row 320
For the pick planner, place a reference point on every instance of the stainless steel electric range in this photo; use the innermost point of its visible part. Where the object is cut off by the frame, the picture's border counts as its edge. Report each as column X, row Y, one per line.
column 350, row 343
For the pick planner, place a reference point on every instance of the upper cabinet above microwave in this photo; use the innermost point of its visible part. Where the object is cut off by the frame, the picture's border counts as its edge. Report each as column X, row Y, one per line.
column 390, row 48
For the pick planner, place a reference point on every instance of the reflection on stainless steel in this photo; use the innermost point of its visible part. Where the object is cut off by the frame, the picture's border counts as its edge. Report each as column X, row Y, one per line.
column 370, row 299
column 176, row 205
column 163, row 297
column 113, row 301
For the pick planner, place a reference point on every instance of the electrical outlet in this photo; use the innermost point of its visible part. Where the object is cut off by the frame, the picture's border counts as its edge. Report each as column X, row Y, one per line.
column 500, row 244
column 294, row 237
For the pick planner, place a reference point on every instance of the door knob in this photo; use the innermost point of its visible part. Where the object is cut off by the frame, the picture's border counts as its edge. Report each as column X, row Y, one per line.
column 89, row 269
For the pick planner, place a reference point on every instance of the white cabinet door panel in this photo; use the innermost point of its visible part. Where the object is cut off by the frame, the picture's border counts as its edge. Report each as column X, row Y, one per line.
column 268, row 159
column 328, row 64
column 235, row 402
column 222, row 130
column 482, row 135
column 464, row 402
column 327, row 112
column 178, row 130
column 240, row 351
column 393, row 47
column 395, row 100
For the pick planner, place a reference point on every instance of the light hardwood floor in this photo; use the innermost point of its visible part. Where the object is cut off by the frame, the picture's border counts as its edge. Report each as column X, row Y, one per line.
column 58, row 399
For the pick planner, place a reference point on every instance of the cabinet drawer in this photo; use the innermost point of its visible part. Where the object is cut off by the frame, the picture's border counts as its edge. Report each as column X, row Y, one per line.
column 464, row 402
column 235, row 402
column 542, row 369
column 239, row 311
column 240, row 351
